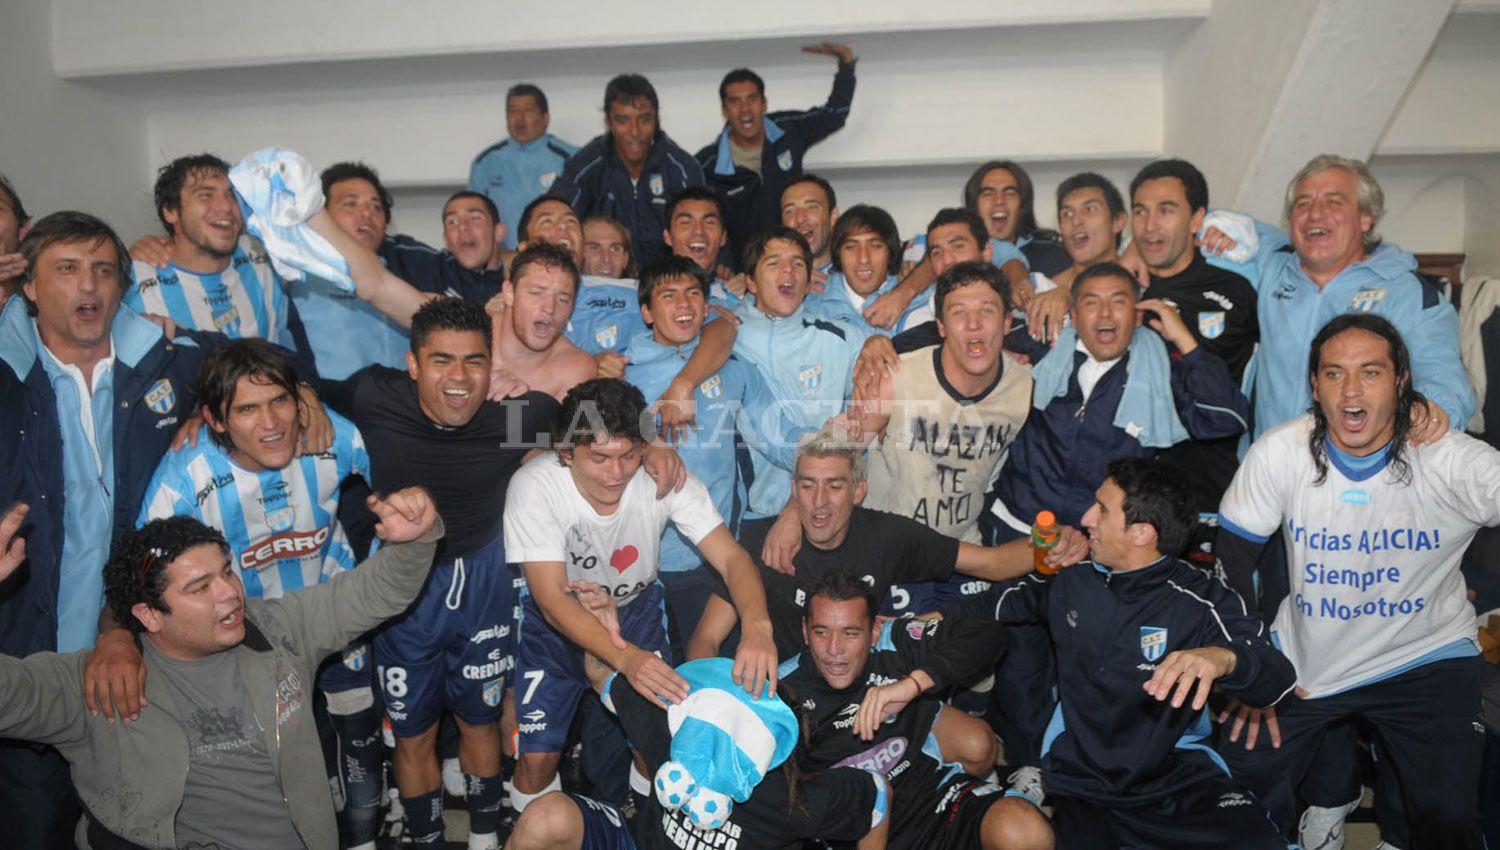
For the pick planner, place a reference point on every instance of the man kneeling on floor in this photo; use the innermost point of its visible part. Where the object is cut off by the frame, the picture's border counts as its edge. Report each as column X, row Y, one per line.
column 1141, row 638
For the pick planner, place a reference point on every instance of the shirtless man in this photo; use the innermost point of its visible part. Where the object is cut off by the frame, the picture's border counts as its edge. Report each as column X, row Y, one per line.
column 519, row 366
column 535, row 303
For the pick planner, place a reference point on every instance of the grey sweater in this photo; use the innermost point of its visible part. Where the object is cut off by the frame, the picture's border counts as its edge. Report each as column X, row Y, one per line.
column 131, row 775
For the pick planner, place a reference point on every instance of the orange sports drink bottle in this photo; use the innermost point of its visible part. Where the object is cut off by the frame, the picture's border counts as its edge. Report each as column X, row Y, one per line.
column 1044, row 536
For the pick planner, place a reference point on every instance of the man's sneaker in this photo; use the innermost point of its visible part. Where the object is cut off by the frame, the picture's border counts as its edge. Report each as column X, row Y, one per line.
column 453, row 778
column 1027, row 782
column 1322, row 828
column 1386, row 845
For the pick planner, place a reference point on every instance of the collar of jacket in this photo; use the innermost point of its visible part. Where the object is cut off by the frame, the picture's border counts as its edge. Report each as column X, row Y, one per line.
column 1128, row 582
column 724, row 164
column 134, row 335
column 644, row 350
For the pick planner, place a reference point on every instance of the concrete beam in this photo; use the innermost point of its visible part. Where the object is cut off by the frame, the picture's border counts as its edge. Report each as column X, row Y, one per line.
column 1263, row 87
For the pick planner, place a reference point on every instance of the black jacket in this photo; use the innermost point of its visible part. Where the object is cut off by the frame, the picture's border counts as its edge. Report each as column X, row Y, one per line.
column 153, row 392
column 594, row 181
column 1116, row 744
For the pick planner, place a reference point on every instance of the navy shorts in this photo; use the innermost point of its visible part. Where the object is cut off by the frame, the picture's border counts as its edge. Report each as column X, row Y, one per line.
column 926, row 597
column 549, row 667
column 348, row 669
column 604, row 828
column 453, row 647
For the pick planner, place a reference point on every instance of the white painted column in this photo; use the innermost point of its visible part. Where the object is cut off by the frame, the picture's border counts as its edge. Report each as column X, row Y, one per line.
column 1264, row 86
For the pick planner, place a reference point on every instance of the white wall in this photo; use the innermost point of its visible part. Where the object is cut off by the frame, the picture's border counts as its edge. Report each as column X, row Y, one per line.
column 1425, row 204
column 1223, row 84
column 415, row 87
column 64, row 145
column 1482, row 218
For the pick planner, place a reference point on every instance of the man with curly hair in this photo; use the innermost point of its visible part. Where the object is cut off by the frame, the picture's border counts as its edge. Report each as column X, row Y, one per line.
column 225, row 753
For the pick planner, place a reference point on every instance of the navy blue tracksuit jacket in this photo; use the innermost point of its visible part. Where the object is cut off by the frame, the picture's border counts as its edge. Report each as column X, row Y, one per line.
column 594, row 182
column 1111, row 742
column 753, row 201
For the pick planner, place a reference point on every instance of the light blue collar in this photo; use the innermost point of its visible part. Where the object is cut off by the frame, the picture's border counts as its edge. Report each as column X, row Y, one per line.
column 1357, row 468
column 643, row 349
column 134, row 335
column 724, row 164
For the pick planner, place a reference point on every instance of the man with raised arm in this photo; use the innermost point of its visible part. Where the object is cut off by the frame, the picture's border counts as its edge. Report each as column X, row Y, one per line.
column 225, row 752
column 758, row 155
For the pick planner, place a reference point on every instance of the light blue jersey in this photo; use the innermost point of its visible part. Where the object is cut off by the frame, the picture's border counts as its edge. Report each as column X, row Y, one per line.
column 1384, row 283
column 1001, row 252
column 513, row 174
column 246, row 299
column 345, row 333
column 734, row 400
column 807, row 361
column 839, row 300
column 606, row 315
column 282, row 524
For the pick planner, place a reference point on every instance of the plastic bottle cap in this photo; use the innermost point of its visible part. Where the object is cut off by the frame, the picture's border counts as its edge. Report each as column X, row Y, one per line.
column 1045, row 519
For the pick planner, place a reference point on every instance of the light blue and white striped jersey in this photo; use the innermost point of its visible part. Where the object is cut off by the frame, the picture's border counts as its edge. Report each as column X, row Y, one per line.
column 245, row 300
column 281, row 524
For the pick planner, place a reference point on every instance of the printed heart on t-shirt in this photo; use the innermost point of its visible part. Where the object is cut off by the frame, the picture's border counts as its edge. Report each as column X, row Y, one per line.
column 623, row 558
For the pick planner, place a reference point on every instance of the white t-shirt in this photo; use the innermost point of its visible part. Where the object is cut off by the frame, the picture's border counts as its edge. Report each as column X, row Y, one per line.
column 1373, row 562
column 547, row 519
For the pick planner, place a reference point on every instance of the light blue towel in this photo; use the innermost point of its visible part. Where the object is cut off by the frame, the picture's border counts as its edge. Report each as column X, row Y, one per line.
column 278, row 192
column 1147, row 409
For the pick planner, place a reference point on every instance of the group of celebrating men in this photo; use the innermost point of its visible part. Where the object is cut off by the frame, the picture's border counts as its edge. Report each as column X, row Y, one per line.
column 436, row 519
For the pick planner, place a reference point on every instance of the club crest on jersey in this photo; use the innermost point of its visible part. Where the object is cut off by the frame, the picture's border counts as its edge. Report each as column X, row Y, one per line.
column 657, row 185
column 1153, row 642
column 547, row 178
column 811, row 377
column 226, row 319
column 1367, row 299
column 712, row 388
column 356, row 657
column 607, row 336
column 1211, row 325
column 281, row 519
column 493, row 690
column 160, row 398
column 784, row 159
